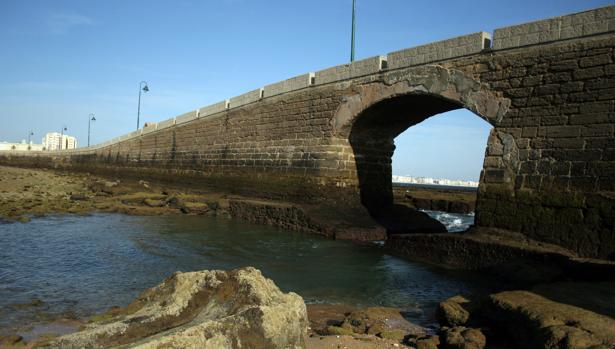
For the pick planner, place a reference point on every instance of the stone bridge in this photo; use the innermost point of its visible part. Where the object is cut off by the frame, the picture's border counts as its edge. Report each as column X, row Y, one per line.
column 326, row 137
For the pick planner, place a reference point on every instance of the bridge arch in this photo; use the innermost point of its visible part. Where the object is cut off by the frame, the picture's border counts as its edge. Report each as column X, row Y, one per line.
column 375, row 113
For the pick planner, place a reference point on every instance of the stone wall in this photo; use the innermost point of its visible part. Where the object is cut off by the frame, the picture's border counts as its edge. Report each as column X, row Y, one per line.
column 559, row 138
column 327, row 137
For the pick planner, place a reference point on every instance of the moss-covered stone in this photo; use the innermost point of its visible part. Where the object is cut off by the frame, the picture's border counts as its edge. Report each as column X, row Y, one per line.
column 340, row 331
column 397, row 335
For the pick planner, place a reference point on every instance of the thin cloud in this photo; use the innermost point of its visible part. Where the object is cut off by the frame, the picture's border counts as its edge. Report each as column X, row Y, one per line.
column 61, row 23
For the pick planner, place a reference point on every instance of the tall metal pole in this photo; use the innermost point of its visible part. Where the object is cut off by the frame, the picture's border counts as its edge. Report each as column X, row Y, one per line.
column 142, row 87
column 352, row 33
column 139, row 107
column 90, row 119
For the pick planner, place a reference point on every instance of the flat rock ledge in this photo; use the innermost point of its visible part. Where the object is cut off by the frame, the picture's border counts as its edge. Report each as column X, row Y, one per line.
column 202, row 309
column 537, row 322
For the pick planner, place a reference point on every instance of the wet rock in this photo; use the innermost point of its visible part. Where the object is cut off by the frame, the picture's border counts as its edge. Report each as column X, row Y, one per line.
column 323, row 315
column 78, row 197
column 397, row 335
column 462, row 338
column 107, row 187
column 460, row 207
column 10, row 340
column 378, row 320
column 425, row 342
column 537, row 322
column 174, row 202
column 451, row 312
column 203, row 309
column 153, row 203
column 401, row 219
column 339, row 331
column 194, row 208
column 144, row 184
column 23, row 219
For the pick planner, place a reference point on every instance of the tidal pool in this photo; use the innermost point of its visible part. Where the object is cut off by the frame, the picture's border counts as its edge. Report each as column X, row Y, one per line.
column 82, row 265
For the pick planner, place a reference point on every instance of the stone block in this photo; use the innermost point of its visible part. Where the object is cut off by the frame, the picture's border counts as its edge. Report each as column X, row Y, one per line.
column 166, row 123
column 575, row 25
column 292, row 84
column 189, row 116
column 151, row 127
column 604, row 130
column 246, row 98
column 446, row 49
column 348, row 71
column 212, row 109
column 134, row 134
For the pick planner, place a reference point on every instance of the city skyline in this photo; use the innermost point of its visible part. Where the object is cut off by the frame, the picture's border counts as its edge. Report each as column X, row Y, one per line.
column 71, row 59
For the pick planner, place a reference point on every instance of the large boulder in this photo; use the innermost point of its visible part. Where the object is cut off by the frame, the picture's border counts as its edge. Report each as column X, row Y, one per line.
column 534, row 321
column 203, row 309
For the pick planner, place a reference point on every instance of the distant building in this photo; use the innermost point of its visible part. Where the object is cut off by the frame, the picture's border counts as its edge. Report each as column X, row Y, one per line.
column 21, row 146
column 51, row 141
column 434, row 181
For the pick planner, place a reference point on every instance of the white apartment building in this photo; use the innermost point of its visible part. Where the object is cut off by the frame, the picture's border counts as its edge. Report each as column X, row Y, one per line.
column 51, row 141
column 434, row 181
column 23, row 146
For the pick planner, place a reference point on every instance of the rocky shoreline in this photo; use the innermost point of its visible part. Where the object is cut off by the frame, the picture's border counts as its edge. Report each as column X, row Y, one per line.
column 550, row 299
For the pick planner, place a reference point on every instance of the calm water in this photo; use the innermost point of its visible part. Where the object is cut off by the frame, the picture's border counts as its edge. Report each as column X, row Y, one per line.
column 85, row 264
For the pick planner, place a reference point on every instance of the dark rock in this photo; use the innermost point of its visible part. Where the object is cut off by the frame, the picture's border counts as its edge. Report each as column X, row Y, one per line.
column 439, row 205
column 401, row 219
column 451, row 312
column 381, row 321
column 339, row 331
column 462, row 338
column 10, row 339
column 78, row 197
column 323, row 315
column 174, row 201
column 423, row 204
column 537, row 322
column 424, row 342
column 153, row 202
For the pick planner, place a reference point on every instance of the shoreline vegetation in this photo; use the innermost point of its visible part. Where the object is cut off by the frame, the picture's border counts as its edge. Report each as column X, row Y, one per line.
column 550, row 298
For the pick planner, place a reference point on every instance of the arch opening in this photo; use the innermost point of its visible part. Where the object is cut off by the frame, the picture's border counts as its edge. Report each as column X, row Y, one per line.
column 372, row 138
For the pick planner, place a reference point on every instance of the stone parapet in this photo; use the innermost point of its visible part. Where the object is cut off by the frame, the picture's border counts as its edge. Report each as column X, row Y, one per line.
column 363, row 67
column 576, row 25
column 439, row 51
column 292, row 84
column 246, row 98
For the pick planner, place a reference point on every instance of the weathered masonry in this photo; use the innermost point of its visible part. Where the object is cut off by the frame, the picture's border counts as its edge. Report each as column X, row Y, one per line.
column 547, row 87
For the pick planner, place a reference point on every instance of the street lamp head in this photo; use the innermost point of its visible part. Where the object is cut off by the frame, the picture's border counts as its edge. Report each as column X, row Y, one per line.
column 93, row 118
column 145, row 88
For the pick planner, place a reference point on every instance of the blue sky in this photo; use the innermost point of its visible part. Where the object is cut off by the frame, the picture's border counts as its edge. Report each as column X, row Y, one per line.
column 62, row 60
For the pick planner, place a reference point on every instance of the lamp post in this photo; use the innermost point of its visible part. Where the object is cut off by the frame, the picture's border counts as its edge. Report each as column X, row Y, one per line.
column 30, row 133
column 352, row 33
column 90, row 119
column 61, row 137
column 142, row 87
